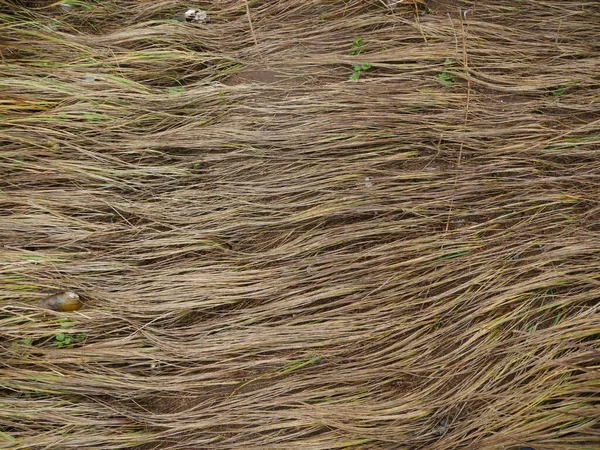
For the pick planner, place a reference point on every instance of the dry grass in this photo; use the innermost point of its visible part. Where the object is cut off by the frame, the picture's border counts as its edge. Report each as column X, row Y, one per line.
column 309, row 262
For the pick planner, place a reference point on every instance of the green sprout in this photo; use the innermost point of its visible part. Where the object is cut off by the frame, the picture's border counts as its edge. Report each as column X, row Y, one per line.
column 358, row 46
column 358, row 68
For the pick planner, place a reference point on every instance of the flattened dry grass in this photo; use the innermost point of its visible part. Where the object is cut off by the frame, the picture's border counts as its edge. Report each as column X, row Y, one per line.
column 275, row 257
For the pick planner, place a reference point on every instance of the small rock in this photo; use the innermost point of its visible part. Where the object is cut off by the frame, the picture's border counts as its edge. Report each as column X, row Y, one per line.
column 441, row 428
column 67, row 301
column 196, row 16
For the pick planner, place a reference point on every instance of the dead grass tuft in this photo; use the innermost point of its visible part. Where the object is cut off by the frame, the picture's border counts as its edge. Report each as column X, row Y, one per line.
column 273, row 256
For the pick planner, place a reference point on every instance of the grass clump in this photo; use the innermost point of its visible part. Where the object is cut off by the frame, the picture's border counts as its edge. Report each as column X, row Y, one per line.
column 272, row 257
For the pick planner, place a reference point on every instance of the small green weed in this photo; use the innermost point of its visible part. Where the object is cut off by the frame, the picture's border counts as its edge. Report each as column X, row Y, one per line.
column 447, row 78
column 64, row 339
column 558, row 92
column 358, row 46
column 358, row 68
